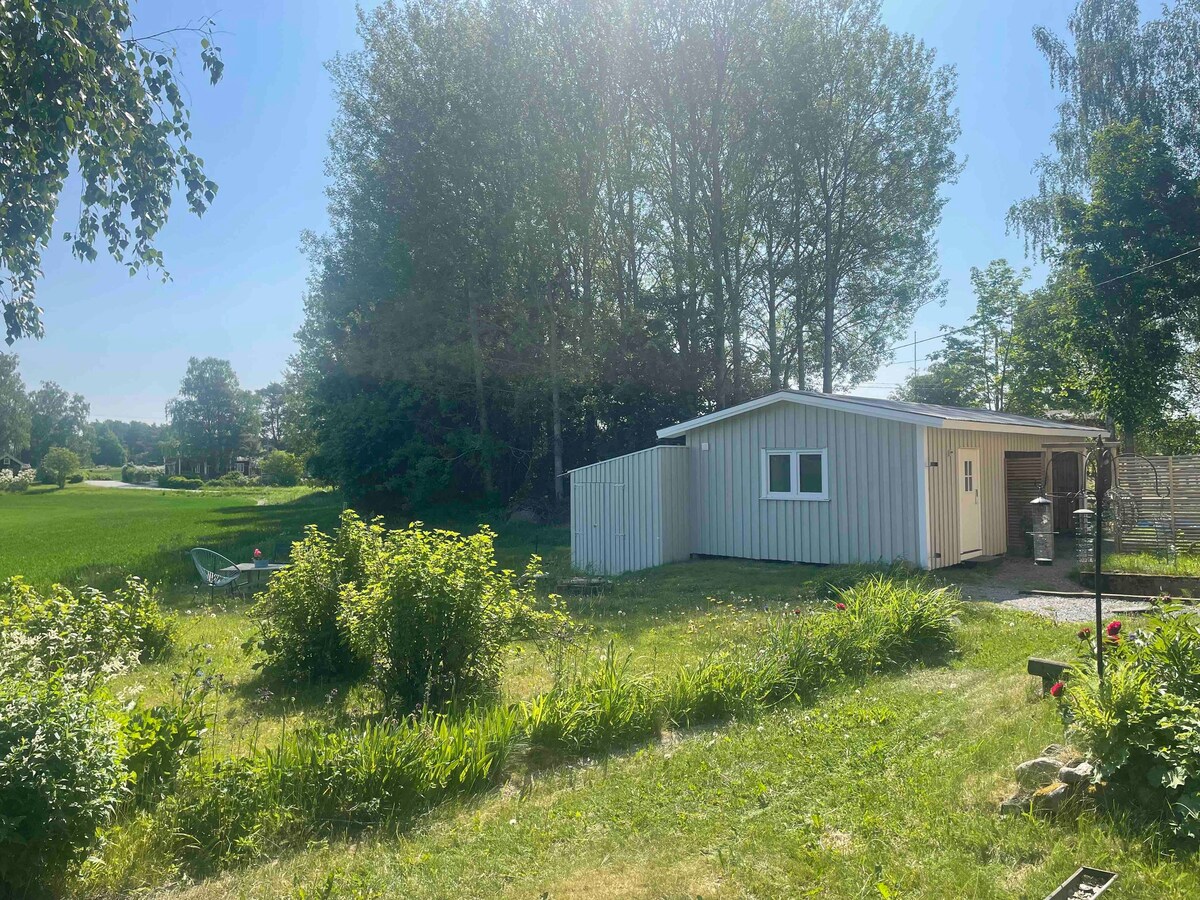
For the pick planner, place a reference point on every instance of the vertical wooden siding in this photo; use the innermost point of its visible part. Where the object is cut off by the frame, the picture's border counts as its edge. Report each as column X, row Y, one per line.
column 872, row 511
column 631, row 512
column 943, row 494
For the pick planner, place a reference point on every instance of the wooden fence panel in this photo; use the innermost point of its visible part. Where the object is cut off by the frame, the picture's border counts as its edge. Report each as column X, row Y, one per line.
column 1159, row 502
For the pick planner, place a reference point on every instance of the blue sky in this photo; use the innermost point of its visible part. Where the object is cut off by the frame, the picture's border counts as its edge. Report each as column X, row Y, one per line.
column 239, row 275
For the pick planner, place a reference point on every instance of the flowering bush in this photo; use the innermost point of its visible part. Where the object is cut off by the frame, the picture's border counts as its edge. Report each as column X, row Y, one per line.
column 1142, row 724
column 84, row 632
column 15, row 483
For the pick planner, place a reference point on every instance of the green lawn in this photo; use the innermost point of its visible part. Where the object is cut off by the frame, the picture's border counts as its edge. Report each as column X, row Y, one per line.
column 86, row 535
column 1187, row 564
column 884, row 788
column 887, row 788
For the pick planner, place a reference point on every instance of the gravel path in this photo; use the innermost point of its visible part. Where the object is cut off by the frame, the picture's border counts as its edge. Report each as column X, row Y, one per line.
column 1074, row 609
column 1011, row 582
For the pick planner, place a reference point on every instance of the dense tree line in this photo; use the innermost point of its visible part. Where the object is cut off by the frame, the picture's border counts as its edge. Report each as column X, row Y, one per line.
column 557, row 226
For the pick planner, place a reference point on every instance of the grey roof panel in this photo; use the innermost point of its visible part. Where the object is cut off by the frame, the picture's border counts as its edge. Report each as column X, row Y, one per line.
column 921, row 413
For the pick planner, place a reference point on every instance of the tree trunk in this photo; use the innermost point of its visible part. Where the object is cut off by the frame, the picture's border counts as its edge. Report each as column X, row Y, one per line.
column 556, row 407
column 489, row 479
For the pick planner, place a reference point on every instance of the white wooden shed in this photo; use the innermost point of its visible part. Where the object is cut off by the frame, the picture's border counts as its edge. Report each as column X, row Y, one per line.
column 825, row 478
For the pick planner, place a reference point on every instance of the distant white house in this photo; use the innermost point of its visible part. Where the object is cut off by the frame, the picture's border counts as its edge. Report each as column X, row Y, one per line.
column 825, row 478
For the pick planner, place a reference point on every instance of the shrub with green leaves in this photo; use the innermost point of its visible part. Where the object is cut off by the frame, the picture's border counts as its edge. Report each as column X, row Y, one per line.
column 58, row 465
column 1142, row 725
column 179, row 483
column 298, row 614
column 432, row 618
column 156, row 742
column 281, row 468
column 60, row 775
column 132, row 474
column 85, row 630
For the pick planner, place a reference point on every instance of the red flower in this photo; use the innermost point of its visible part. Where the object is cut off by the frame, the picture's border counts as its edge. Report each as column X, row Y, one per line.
column 1114, row 628
column 1084, row 633
column 1057, row 689
column 839, row 605
column 257, row 553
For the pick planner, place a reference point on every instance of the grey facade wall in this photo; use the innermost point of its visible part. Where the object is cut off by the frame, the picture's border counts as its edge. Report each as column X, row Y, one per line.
column 874, row 481
column 631, row 512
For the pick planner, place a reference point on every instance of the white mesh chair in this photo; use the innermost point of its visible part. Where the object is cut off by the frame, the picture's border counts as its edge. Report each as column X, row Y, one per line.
column 218, row 572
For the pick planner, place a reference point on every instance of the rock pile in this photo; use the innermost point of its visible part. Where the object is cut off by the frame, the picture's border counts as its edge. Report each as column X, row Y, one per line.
column 1046, row 784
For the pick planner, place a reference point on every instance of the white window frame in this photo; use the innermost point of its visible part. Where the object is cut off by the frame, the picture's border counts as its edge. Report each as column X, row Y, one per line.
column 795, row 454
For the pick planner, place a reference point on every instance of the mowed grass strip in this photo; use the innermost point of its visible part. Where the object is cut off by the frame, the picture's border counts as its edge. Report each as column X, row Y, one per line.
column 81, row 535
column 885, row 788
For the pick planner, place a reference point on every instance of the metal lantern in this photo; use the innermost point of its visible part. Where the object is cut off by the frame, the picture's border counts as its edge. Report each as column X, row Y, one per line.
column 1043, row 531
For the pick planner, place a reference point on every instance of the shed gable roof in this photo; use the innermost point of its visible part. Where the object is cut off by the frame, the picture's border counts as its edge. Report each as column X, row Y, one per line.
column 927, row 414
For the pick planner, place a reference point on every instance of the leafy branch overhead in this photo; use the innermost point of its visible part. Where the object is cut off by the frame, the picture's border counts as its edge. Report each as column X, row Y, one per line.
column 77, row 85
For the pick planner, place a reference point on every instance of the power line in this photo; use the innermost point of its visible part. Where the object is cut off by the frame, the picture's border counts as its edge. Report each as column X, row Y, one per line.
column 1099, row 284
column 1146, row 268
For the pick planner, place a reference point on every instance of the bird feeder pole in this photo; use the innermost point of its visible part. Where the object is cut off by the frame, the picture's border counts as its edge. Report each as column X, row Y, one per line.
column 1104, row 460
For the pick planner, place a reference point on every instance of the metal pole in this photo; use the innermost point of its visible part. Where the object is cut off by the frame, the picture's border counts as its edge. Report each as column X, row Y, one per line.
column 1098, row 551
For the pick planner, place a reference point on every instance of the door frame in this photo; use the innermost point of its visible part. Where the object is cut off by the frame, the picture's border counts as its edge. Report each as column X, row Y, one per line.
column 961, row 455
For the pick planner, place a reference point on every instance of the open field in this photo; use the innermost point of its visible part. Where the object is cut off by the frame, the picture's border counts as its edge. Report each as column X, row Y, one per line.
column 85, row 535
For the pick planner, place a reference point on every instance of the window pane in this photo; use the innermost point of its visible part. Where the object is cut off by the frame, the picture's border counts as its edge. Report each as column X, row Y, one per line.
column 810, row 473
column 779, row 467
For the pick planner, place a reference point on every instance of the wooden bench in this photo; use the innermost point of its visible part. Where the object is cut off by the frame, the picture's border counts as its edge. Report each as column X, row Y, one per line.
column 1049, row 670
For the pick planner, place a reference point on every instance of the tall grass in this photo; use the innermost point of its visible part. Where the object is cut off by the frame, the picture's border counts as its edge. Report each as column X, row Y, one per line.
column 317, row 783
column 881, row 623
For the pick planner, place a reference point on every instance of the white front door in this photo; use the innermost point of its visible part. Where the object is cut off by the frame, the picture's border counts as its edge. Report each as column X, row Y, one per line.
column 970, row 521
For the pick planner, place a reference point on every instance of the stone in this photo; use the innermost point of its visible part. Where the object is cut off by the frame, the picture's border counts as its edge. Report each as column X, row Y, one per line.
column 1052, row 750
column 1051, row 798
column 525, row 516
column 1015, row 805
column 1082, row 773
column 1038, row 772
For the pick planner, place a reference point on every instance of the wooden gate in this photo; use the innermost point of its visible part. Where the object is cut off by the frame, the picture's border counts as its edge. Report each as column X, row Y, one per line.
column 1023, row 473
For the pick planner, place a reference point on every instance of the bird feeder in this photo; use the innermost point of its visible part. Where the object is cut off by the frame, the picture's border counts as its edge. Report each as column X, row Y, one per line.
column 1085, row 535
column 1043, row 531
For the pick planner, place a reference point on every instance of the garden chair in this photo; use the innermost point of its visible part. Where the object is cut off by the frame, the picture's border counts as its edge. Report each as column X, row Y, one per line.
column 218, row 572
